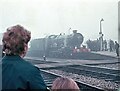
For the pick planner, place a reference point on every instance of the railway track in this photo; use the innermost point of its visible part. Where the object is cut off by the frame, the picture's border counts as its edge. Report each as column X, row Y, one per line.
column 101, row 73
column 113, row 65
column 39, row 61
column 96, row 72
column 49, row 77
column 90, row 75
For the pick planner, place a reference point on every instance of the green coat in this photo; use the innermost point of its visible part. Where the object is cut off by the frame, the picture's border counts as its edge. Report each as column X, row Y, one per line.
column 19, row 74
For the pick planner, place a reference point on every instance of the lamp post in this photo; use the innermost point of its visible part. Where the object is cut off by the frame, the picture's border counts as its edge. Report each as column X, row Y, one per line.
column 101, row 35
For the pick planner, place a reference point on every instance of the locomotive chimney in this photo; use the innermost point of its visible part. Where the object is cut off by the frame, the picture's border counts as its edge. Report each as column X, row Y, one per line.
column 74, row 31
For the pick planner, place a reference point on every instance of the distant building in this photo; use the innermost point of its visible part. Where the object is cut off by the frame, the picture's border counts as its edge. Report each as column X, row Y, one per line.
column 119, row 22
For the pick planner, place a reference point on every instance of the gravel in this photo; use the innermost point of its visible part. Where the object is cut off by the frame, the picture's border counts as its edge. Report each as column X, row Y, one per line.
column 89, row 80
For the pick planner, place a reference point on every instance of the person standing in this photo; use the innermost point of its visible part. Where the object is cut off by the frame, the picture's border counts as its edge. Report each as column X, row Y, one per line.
column 111, row 44
column 44, row 58
column 105, row 45
column 117, row 48
column 18, row 74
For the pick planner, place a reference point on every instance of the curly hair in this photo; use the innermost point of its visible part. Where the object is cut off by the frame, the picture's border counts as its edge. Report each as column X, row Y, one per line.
column 14, row 40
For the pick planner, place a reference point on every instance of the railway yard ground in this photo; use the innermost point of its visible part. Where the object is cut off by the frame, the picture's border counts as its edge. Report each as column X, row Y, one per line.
column 101, row 73
column 90, row 75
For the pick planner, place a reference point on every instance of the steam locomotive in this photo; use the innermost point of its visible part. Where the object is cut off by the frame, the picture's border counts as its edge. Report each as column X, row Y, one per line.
column 63, row 46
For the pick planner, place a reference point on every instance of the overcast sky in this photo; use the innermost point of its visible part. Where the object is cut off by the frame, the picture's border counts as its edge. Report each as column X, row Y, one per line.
column 43, row 17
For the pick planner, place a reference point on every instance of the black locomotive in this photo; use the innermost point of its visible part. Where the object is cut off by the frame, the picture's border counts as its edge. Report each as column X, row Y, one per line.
column 63, row 46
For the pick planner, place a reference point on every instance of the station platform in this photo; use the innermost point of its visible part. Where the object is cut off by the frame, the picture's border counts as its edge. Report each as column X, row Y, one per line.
column 106, row 53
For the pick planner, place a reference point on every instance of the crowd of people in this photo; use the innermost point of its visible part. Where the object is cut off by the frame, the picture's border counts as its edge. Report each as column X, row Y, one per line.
column 20, row 75
column 111, row 46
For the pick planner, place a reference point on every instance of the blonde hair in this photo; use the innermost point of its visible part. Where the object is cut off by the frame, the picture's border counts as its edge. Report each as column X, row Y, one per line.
column 64, row 84
column 14, row 40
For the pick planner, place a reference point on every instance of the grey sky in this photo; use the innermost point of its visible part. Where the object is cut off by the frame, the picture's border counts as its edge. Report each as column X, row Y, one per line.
column 44, row 17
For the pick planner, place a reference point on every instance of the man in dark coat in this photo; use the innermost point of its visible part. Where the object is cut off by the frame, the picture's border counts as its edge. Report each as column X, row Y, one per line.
column 117, row 48
column 18, row 74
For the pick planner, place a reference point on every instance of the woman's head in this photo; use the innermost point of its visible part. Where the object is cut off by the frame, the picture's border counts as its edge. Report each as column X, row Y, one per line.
column 64, row 84
column 15, row 40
